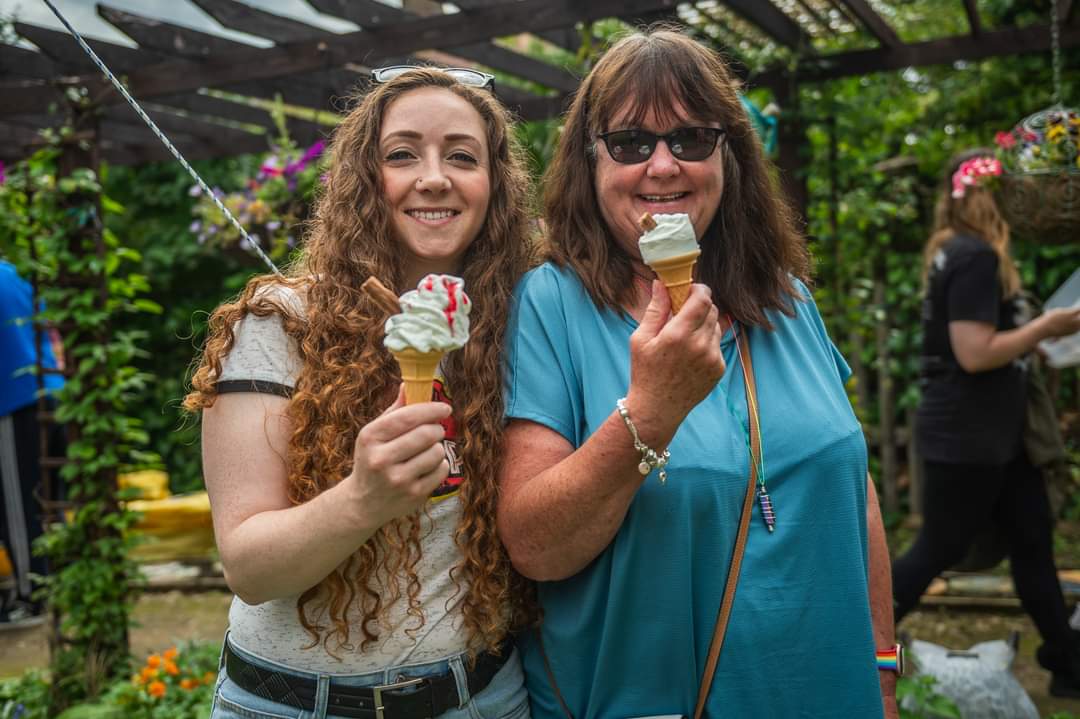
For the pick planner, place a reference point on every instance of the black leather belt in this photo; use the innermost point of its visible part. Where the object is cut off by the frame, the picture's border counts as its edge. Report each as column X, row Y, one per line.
column 417, row 698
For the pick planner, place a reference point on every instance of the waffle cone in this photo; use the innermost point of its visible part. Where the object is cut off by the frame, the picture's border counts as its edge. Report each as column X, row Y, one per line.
column 677, row 273
column 417, row 372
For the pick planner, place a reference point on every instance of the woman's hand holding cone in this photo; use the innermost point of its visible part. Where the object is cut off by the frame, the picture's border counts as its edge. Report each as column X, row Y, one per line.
column 399, row 459
column 675, row 361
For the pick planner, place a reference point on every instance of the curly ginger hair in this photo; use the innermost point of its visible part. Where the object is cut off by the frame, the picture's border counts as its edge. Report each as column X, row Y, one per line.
column 348, row 377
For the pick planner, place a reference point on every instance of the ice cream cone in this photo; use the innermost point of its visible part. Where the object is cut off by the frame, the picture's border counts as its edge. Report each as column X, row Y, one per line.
column 677, row 273
column 417, row 372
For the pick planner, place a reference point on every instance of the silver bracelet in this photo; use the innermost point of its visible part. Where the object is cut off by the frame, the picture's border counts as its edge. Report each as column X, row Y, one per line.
column 650, row 458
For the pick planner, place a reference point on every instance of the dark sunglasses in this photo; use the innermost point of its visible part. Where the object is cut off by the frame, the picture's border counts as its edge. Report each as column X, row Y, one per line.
column 693, row 144
column 464, row 75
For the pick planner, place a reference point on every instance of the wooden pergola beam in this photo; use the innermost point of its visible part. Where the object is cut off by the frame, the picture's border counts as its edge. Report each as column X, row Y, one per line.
column 772, row 21
column 245, row 18
column 373, row 14
column 169, row 78
column 873, row 22
column 65, row 52
column 973, row 17
column 168, row 39
column 999, row 43
column 566, row 38
column 20, row 62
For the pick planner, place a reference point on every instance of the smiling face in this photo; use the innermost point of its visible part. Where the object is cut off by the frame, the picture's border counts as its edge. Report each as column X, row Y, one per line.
column 435, row 177
column 661, row 184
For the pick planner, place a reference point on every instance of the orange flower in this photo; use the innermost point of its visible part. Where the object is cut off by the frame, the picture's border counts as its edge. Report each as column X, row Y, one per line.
column 170, row 654
column 209, row 678
column 189, row 683
column 153, row 661
column 171, row 668
column 148, row 673
column 156, row 689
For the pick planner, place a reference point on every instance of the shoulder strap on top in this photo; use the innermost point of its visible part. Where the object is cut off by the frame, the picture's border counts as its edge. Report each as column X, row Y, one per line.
column 740, row 538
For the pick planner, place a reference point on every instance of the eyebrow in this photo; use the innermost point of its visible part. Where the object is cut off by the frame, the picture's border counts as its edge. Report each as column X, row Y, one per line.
column 414, row 135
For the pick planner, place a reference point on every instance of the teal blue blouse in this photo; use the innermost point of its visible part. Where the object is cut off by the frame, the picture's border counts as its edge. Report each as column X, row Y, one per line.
column 628, row 635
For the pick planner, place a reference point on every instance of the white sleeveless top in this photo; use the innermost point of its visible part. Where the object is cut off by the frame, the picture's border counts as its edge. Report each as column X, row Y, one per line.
column 264, row 359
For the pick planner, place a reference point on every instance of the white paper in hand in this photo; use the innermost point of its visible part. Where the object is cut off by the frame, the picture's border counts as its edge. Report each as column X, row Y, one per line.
column 1064, row 351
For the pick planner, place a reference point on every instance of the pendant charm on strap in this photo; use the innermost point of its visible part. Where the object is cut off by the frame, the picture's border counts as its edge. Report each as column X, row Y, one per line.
column 767, row 512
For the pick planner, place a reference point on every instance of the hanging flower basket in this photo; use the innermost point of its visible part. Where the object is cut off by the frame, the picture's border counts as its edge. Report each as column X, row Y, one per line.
column 1039, row 194
column 1043, row 208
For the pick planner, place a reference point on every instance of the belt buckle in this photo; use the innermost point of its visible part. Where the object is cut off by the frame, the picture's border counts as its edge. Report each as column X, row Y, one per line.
column 377, row 692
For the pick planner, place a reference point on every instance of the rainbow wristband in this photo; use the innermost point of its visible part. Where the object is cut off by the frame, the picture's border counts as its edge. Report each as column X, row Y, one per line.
column 891, row 659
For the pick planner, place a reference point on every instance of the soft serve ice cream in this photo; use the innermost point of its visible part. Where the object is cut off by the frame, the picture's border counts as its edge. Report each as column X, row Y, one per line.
column 434, row 320
column 672, row 236
column 669, row 246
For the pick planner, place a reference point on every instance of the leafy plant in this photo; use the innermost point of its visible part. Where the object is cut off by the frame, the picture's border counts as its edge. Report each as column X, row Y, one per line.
column 25, row 697
column 53, row 229
column 918, row 700
column 178, row 683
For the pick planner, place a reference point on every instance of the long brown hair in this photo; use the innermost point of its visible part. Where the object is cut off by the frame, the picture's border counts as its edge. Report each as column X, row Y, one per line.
column 348, row 377
column 750, row 248
column 976, row 214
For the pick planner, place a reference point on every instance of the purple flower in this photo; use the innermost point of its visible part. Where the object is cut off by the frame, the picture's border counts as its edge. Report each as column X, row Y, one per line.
column 3, row 175
column 195, row 226
column 273, row 225
column 312, row 153
column 194, row 191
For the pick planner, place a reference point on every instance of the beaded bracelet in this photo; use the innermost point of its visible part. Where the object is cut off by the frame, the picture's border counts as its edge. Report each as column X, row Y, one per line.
column 650, row 458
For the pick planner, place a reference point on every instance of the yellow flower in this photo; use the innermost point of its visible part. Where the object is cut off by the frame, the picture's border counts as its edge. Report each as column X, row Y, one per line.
column 156, row 689
column 137, row 680
column 153, row 661
column 1055, row 133
column 148, row 673
column 170, row 654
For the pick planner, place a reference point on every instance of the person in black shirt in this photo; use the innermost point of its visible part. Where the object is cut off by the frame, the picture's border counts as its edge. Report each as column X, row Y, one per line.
column 971, row 416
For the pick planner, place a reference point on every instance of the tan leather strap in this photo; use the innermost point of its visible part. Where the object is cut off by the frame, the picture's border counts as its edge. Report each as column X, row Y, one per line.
column 737, row 553
column 740, row 538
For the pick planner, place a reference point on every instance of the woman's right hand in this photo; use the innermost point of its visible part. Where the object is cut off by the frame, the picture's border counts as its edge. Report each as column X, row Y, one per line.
column 674, row 362
column 1060, row 321
column 399, row 460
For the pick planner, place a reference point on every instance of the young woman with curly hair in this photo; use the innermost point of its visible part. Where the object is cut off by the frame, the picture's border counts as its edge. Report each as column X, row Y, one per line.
column 358, row 533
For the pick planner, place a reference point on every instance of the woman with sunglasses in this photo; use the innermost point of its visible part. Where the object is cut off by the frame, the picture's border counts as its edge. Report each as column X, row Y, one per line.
column 358, row 533
column 602, row 380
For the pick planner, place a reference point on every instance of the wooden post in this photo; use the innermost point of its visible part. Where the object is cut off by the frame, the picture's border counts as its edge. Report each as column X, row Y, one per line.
column 914, row 461
column 792, row 142
column 886, row 424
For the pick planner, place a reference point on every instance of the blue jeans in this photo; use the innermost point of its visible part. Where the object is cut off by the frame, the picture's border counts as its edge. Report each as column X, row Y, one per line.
column 503, row 698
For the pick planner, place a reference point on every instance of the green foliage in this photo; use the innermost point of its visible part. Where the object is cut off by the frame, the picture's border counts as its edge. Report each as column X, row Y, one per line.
column 53, row 230
column 878, row 148
column 175, row 684
column 26, row 697
column 918, row 700
column 189, row 281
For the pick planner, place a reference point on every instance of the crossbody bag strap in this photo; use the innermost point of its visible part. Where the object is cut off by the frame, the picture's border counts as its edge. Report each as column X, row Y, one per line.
column 737, row 553
column 740, row 537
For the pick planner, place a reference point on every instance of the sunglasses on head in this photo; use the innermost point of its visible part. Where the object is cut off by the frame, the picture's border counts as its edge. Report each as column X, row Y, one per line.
column 464, row 75
column 692, row 144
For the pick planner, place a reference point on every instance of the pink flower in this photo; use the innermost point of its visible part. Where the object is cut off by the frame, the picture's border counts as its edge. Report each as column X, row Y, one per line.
column 1005, row 140
column 972, row 172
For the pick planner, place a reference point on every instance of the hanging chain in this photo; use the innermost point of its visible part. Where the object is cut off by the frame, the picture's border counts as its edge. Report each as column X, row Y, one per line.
column 1055, row 47
column 248, row 240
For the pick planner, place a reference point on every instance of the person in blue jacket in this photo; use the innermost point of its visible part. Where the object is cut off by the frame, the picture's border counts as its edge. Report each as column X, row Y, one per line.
column 631, row 568
column 20, row 520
